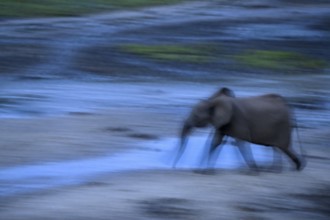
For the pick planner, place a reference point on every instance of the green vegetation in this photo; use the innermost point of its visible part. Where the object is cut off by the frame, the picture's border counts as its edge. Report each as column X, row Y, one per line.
column 280, row 60
column 193, row 53
column 42, row 8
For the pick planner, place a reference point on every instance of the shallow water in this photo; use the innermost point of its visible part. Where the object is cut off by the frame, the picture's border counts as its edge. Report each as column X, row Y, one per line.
column 149, row 155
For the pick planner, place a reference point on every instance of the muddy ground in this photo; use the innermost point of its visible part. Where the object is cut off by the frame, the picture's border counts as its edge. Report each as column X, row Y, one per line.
column 61, row 53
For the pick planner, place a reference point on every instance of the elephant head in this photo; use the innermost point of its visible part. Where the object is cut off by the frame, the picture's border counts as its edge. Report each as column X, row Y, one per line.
column 202, row 115
column 223, row 92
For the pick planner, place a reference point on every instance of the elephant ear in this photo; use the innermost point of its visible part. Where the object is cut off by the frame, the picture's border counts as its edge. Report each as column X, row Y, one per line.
column 227, row 92
column 221, row 111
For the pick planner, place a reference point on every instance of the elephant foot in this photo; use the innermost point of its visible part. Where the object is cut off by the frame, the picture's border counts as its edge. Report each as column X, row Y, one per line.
column 250, row 172
column 255, row 168
column 205, row 171
column 273, row 169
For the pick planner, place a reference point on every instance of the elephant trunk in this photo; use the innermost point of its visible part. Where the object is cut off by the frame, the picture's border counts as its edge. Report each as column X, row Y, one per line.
column 186, row 129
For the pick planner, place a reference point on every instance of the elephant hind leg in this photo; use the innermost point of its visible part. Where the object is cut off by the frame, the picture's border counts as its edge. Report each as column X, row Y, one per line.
column 277, row 165
column 293, row 157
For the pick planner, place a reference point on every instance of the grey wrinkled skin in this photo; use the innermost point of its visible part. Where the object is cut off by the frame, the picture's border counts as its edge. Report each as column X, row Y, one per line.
column 263, row 120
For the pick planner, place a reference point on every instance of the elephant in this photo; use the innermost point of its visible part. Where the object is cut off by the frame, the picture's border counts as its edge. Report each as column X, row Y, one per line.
column 263, row 120
column 243, row 146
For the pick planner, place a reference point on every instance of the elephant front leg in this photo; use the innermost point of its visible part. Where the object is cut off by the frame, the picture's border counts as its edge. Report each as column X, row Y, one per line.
column 246, row 153
column 217, row 142
column 209, row 157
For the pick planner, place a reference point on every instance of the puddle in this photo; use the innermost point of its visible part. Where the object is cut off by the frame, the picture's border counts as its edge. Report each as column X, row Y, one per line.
column 156, row 154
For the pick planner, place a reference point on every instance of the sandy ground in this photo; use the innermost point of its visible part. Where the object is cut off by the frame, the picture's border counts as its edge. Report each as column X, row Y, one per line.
column 156, row 194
